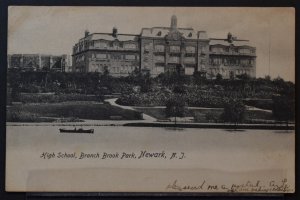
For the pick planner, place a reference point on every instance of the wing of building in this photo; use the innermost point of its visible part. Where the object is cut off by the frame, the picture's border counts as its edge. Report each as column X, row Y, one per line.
column 164, row 49
column 40, row 62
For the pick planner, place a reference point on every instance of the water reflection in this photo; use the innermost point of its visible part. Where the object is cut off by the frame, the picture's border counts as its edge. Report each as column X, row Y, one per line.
column 174, row 129
column 234, row 130
column 283, row 131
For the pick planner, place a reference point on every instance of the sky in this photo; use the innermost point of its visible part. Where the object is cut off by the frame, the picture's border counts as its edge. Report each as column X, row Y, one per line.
column 54, row 30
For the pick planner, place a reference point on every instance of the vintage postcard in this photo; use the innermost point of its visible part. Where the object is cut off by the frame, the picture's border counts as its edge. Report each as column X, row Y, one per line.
column 150, row 99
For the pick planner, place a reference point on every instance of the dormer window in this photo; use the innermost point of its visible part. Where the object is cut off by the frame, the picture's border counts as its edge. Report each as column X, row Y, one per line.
column 159, row 33
column 190, row 35
column 229, row 37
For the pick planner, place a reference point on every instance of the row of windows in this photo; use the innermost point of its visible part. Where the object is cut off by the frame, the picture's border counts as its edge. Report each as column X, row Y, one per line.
column 163, row 65
column 79, row 58
column 226, row 72
column 175, row 59
column 190, row 60
column 175, row 49
column 158, row 48
column 104, row 45
column 160, row 58
column 122, row 69
column 203, row 48
column 202, row 61
column 114, row 56
column 230, row 61
column 190, row 66
column 171, row 54
column 190, row 49
column 172, row 59
column 159, row 34
column 218, row 49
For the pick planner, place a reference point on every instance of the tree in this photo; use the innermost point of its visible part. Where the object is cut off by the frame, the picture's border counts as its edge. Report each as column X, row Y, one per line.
column 268, row 78
column 179, row 89
column 175, row 107
column 142, row 79
column 231, row 75
column 106, row 71
column 15, row 93
column 283, row 108
column 243, row 77
column 14, row 81
column 244, row 80
column 219, row 78
column 199, row 77
column 234, row 111
column 106, row 79
column 145, row 82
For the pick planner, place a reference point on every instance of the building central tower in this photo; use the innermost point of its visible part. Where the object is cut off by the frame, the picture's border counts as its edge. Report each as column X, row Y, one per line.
column 174, row 22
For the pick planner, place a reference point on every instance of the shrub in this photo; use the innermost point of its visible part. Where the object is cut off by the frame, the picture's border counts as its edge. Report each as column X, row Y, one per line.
column 283, row 108
column 175, row 107
column 22, row 116
column 212, row 117
column 234, row 111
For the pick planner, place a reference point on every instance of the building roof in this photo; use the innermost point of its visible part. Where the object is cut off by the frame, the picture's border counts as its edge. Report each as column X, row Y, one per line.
column 109, row 37
column 225, row 42
column 202, row 35
column 160, row 32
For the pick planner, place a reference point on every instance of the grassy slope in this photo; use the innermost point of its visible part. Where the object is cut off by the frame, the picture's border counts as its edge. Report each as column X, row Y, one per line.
column 159, row 113
column 82, row 110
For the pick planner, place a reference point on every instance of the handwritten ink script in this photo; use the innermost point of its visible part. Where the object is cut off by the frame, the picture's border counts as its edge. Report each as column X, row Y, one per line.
column 249, row 186
column 143, row 154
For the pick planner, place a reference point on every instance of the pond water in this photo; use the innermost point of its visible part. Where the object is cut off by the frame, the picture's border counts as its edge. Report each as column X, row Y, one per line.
column 215, row 150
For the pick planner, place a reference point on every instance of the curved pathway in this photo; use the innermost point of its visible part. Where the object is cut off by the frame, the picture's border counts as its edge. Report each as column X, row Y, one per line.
column 255, row 108
column 112, row 102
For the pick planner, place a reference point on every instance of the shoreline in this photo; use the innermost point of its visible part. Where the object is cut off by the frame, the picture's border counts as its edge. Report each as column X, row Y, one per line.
column 164, row 125
column 214, row 126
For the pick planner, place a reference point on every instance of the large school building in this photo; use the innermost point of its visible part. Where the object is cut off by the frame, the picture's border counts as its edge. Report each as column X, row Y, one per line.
column 164, row 49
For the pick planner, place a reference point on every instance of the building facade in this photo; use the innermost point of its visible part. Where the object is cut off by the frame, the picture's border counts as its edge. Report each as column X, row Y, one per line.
column 231, row 57
column 40, row 62
column 97, row 52
column 162, row 50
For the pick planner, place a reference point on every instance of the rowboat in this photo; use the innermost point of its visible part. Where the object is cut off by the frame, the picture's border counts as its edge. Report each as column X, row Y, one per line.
column 75, row 130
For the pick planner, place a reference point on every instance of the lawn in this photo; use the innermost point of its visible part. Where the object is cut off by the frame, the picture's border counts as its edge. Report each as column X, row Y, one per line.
column 55, row 98
column 210, row 115
column 159, row 113
column 77, row 110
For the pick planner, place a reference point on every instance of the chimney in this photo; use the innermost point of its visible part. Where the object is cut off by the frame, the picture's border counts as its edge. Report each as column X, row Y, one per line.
column 86, row 33
column 115, row 32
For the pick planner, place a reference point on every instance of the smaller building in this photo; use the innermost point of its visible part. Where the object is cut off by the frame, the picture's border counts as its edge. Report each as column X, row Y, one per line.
column 39, row 62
